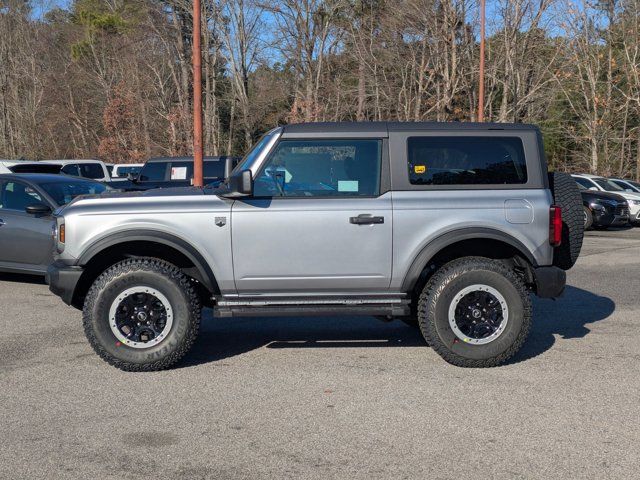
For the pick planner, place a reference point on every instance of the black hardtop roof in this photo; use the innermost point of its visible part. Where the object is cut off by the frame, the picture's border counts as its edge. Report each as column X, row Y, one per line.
column 385, row 127
column 188, row 158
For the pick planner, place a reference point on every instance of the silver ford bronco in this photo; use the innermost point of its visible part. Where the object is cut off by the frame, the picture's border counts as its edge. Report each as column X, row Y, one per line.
column 447, row 226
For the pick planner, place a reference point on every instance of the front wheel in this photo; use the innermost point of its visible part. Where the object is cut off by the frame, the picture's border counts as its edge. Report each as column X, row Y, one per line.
column 588, row 218
column 475, row 312
column 142, row 315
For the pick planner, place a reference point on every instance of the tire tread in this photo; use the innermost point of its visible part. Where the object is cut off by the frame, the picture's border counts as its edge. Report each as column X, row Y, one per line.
column 440, row 281
column 160, row 267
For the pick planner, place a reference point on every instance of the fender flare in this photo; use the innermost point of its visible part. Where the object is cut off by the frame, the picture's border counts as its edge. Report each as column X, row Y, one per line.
column 432, row 248
column 155, row 236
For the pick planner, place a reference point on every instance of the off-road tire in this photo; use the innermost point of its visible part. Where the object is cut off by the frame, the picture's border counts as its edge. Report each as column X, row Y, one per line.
column 567, row 196
column 588, row 218
column 446, row 283
column 156, row 274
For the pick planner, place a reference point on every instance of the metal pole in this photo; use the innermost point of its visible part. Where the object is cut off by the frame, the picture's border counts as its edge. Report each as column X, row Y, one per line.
column 198, row 181
column 481, row 73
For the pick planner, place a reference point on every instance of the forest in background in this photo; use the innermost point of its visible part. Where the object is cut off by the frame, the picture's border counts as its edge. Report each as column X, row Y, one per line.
column 111, row 79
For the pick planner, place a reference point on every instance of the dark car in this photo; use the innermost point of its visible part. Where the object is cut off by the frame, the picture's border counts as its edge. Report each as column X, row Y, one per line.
column 26, row 204
column 603, row 209
column 164, row 172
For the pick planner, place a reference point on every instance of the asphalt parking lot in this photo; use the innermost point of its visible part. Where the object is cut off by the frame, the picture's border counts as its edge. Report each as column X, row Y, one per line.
column 332, row 398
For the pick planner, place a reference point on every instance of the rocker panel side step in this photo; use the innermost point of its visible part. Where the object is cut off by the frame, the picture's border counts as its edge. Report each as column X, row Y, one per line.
column 320, row 306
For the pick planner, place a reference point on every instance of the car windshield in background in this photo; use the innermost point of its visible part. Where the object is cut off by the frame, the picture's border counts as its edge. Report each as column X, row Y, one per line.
column 63, row 192
column 91, row 170
column 124, row 171
column 608, row 185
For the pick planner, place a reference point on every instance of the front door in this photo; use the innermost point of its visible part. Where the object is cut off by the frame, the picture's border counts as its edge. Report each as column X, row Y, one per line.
column 317, row 221
column 25, row 240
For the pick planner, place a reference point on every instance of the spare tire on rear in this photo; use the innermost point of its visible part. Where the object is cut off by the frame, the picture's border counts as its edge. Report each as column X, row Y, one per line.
column 567, row 196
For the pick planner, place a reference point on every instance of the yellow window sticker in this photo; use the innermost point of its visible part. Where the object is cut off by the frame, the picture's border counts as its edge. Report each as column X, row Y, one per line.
column 419, row 169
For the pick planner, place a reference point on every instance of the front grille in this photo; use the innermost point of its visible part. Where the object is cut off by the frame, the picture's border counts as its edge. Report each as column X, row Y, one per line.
column 622, row 210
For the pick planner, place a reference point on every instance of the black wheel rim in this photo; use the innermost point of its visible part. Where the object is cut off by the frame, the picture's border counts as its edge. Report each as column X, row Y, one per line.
column 478, row 314
column 140, row 317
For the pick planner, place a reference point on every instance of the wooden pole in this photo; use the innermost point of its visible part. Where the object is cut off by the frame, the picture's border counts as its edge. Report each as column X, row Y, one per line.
column 198, row 180
column 481, row 73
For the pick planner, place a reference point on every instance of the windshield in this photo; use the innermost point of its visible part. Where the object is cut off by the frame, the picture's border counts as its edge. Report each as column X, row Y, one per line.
column 63, row 192
column 250, row 157
column 91, row 170
column 124, row 171
column 608, row 185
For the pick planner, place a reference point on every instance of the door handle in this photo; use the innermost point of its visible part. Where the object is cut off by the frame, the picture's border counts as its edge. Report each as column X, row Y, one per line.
column 366, row 219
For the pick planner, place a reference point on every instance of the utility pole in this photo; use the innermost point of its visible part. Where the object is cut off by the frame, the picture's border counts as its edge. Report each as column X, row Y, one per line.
column 198, row 181
column 481, row 73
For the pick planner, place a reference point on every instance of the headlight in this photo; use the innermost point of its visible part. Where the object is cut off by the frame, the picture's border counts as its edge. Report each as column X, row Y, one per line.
column 633, row 202
column 597, row 207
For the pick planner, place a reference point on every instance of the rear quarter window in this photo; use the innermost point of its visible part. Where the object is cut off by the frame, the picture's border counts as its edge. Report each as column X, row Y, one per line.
column 466, row 160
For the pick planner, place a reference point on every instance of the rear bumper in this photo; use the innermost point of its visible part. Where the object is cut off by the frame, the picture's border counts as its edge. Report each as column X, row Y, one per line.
column 62, row 280
column 550, row 281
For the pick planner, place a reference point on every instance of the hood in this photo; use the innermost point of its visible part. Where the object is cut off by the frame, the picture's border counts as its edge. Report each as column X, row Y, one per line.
column 160, row 201
column 628, row 195
column 599, row 195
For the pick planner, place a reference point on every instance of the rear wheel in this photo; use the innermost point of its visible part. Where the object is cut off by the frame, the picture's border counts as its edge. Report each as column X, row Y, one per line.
column 475, row 312
column 142, row 315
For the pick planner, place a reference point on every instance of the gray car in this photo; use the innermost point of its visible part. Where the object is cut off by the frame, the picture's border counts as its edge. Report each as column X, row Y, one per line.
column 27, row 202
column 448, row 227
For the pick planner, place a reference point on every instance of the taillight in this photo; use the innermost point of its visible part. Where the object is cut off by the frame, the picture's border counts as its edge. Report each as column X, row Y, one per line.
column 555, row 225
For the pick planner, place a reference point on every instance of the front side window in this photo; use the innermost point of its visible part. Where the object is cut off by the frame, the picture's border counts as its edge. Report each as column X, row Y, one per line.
column 321, row 168
column 608, row 185
column 18, row 196
column 71, row 169
column 153, row 172
column 466, row 161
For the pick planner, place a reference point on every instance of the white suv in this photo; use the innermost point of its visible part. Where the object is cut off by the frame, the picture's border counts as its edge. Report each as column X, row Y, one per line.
column 602, row 184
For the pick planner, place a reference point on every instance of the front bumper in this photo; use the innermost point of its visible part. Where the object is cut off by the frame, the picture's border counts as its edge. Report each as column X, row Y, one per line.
column 62, row 280
column 550, row 281
column 610, row 217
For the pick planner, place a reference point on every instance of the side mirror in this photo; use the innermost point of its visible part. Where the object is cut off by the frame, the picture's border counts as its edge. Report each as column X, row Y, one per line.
column 628, row 190
column 240, row 184
column 38, row 209
column 132, row 177
column 595, row 189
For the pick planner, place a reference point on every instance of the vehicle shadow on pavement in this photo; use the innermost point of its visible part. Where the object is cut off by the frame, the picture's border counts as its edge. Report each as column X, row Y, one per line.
column 222, row 338
column 567, row 317
column 22, row 278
